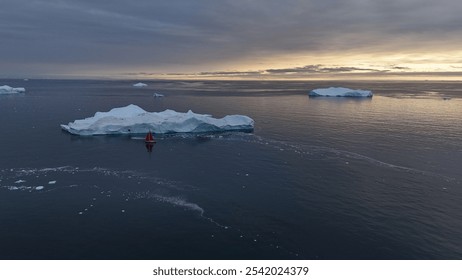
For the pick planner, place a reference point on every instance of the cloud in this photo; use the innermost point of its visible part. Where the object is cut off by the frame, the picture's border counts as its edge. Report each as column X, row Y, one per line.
column 199, row 36
column 229, row 73
column 307, row 71
column 400, row 68
column 321, row 69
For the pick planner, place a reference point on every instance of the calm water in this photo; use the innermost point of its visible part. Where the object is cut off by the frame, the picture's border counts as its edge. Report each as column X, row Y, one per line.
column 319, row 178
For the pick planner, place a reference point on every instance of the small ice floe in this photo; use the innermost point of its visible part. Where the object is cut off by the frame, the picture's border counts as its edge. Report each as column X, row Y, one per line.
column 20, row 181
column 140, row 85
column 123, row 211
column 39, row 188
column 11, row 90
column 157, row 95
column 51, row 182
column 340, row 92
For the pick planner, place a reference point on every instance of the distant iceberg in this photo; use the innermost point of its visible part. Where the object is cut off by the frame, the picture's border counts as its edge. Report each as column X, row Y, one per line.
column 157, row 95
column 133, row 119
column 140, row 85
column 340, row 92
column 10, row 90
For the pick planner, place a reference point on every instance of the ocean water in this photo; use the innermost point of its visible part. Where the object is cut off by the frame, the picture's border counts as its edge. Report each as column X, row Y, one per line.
column 319, row 178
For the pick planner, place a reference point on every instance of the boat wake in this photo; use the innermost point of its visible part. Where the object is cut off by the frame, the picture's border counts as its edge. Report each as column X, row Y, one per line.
column 322, row 152
column 176, row 202
column 121, row 188
column 138, row 185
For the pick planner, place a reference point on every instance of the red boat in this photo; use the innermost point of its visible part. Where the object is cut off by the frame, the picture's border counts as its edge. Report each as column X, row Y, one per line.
column 149, row 138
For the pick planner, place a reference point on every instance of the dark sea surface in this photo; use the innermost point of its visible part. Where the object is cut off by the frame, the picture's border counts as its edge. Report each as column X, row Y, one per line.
column 319, row 178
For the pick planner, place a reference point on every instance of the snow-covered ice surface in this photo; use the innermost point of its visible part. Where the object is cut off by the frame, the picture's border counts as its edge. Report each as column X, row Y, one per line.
column 140, row 85
column 132, row 120
column 11, row 90
column 340, row 92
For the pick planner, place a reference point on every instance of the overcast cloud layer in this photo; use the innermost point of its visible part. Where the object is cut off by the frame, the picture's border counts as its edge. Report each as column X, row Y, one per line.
column 49, row 37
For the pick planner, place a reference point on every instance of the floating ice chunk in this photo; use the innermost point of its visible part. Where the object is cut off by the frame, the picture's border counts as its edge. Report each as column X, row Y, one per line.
column 157, row 95
column 140, row 85
column 51, row 182
column 20, row 181
column 10, row 90
column 133, row 119
column 39, row 188
column 340, row 92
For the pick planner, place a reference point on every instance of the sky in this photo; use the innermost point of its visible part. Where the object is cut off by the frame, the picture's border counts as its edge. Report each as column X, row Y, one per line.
column 231, row 39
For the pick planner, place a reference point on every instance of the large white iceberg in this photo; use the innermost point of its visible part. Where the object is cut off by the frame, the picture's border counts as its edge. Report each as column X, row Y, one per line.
column 132, row 119
column 140, row 85
column 340, row 92
column 10, row 90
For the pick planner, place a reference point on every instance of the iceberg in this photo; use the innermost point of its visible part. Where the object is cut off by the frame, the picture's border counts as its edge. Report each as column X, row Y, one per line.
column 340, row 92
column 134, row 120
column 10, row 90
column 157, row 95
column 140, row 85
